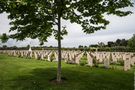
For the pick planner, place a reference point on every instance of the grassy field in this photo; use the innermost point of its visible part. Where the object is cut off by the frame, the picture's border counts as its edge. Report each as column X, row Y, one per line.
column 30, row 74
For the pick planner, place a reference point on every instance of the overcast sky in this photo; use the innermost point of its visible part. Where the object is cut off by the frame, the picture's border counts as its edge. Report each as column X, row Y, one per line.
column 119, row 27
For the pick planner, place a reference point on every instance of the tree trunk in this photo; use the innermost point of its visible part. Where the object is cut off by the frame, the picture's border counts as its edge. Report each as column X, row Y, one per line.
column 59, row 50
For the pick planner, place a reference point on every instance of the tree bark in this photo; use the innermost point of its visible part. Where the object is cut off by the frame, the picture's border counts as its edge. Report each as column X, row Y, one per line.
column 59, row 50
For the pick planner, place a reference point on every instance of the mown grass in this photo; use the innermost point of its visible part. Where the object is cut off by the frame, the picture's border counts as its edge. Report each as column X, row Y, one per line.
column 29, row 74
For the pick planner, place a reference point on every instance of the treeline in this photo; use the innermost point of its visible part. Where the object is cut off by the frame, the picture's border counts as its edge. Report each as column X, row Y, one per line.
column 4, row 47
column 122, row 45
column 110, row 49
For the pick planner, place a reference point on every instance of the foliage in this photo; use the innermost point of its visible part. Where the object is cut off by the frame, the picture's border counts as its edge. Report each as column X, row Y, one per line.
column 37, row 19
column 121, row 62
column 118, row 42
column 83, row 60
column 117, row 49
column 4, row 38
column 111, row 44
column 131, row 42
column 82, row 63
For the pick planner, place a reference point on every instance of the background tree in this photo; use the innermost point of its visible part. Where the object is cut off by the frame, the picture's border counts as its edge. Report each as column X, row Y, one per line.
column 124, row 42
column 111, row 44
column 117, row 43
column 131, row 42
column 4, row 46
column 37, row 18
column 101, row 44
column 80, row 47
column 4, row 38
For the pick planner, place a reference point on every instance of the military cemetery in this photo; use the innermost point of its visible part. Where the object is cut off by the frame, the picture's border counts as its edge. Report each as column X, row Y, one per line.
column 74, row 57
column 67, row 45
column 116, row 61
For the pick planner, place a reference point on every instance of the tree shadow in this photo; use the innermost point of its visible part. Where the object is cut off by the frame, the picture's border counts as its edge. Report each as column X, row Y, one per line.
column 39, row 79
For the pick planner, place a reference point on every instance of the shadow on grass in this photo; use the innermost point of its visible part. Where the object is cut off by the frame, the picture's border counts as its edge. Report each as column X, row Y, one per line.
column 39, row 79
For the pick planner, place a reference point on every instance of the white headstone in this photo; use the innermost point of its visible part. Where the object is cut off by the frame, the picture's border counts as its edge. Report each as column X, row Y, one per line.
column 90, row 59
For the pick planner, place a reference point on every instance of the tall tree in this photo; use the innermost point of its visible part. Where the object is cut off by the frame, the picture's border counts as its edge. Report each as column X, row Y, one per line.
column 124, row 42
column 118, row 42
column 131, row 42
column 4, row 37
column 37, row 18
column 121, row 42
column 101, row 44
column 111, row 44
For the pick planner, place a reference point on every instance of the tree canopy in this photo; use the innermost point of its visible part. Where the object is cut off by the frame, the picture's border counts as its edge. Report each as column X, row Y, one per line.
column 37, row 18
column 4, row 37
column 131, row 42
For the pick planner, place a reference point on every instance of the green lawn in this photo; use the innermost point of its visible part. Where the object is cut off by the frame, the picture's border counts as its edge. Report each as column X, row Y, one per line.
column 30, row 74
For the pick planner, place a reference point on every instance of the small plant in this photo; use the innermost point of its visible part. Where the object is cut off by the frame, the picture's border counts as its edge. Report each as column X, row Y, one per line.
column 83, row 60
column 82, row 63
column 121, row 62
column 95, row 62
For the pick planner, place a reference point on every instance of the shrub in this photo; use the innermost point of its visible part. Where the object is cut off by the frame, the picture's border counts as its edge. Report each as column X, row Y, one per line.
column 121, row 62
column 83, row 62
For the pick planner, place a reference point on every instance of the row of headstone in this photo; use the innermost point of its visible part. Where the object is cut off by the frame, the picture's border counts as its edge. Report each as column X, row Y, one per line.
column 70, row 56
column 74, row 57
column 129, row 60
column 106, row 57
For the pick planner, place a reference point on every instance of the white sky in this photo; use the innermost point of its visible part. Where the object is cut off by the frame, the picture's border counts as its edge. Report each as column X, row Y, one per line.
column 119, row 27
